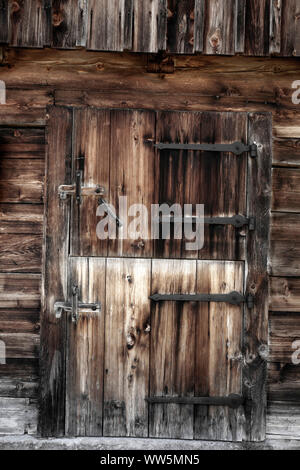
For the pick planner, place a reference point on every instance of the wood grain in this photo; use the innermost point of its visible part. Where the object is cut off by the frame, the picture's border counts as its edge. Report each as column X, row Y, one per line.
column 290, row 42
column 27, row 21
column 127, row 327
column 65, row 23
column 150, row 25
column 257, row 35
column 180, row 26
column 286, row 190
column 285, row 294
column 219, row 28
column 4, row 21
column 106, row 25
column 284, row 246
column 275, row 26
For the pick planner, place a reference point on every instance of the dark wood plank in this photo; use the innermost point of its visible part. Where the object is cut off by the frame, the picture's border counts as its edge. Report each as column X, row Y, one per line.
column 256, row 319
column 284, row 333
column 91, row 154
column 127, row 343
column 285, row 294
column 199, row 23
column 219, row 27
column 23, row 287
column 218, row 336
column 290, row 40
column 85, row 352
column 4, row 22
column 275, row 26
column 52, row 406
column 21, row 219
column 240, row 18
column 17, row 321
column 21, row 180
column 284, row 378
column 180, row 26
column 286, row 151
column 286, row 190
column 285, row 245
column 19, row 378
column 150, row 25
column 20, row 252
column 65, row 18
column 27, row 23
column 106, row 25
column 130, row 132
column 257, row 27
column 172, row 356
column 128, row 24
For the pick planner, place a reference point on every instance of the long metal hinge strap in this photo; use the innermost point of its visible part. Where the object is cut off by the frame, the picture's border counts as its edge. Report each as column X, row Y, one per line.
column 237, row 221
column 234, row 298
column 237, row 148
column 232, row 401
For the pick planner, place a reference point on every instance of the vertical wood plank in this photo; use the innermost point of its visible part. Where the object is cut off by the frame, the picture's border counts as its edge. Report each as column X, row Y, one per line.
column 219, row 36
column 199, row 25
column 172, row 356
column 65, row 17
column 132, row 175
column 180, row 26
column 128, row 24
column 275, row 26
column 240, row 16
column 127, row 327
column 85, row 351
column 91, row 155
column 256, row 319
column 218, row 351
column 290, row 40
column 257, row 27
column 27, row 23
column 4, row 22
column 150, row 25
column 56, row 245
column 106, row 25
column 82, row 25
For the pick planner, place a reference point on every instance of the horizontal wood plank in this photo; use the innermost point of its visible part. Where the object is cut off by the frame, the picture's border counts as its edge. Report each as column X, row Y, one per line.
column 18, row 416
column 283, row 381
column 286, row 190
column 285, row 294
column 21, row 219
column 23, row 287
column 20, row 252
column 283, row 421
column 285, row 245
column 284, row 331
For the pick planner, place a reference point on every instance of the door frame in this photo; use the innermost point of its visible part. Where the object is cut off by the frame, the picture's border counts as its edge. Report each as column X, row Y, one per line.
column 59, row 137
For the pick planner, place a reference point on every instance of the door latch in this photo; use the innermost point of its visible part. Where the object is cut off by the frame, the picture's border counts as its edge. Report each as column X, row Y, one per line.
column 74, row 306
column 78, row 191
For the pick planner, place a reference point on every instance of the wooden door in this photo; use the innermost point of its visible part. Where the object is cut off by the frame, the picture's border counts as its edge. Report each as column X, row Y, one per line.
column 128, row 363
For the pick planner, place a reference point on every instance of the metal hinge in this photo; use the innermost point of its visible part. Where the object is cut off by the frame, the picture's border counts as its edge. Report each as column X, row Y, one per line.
column 237, row 148
column 75, row 306
column 233, row 298
column 78, row 190
column 232, row 401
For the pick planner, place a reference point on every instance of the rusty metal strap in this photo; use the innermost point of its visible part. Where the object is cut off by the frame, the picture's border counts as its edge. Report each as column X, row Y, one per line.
column 237, row 148
column 233, row 298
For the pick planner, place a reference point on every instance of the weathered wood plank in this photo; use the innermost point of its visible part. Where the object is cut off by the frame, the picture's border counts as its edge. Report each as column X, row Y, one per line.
column 284, row 378
column 285, row 246
column 286, row 190
column 20, row 252
column 219, row 28
column 92, row 155
column 21, row 218
column 275, row 26
column 286, row 151
column 21, row 180
column 16, row 389
column 240, row 18
column 199, row 24
column 17, row 321
column 27, row 23
column 4, row 21
column 150, row 25
column 130, row 131
column 85, row 352
column 82, row 23
column 128, row 24
column 290, row 42
column 218, row 368
column 285, row 294
column 284, row 332
column 180, row 26
column 106, row 25
column 283, row 420
column 172, row 356
column 257, row 27
column 256, row 319
column 19, row 287
column 52, row 406
column 18, row 416
column 127, row 327
column 65, row 23
column 21, row 345
column 19, row 378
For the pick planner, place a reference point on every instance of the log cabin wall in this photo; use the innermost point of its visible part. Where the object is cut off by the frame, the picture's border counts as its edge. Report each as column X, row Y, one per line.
column 177, row 79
